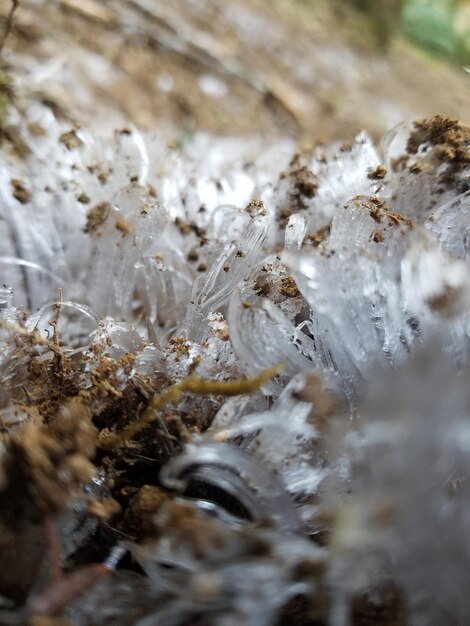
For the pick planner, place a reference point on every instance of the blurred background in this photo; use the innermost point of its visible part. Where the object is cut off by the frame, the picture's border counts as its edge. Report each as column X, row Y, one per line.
column 315, row 70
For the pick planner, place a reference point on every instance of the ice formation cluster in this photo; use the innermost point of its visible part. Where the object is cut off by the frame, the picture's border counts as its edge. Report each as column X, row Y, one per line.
column 315, row 468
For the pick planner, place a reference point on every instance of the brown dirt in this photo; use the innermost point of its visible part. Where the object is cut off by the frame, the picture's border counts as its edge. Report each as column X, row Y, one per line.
column 97, row 216
column 289, row 287
column 450, row 140
column 286, row 67
column 318, row 237
column 379, row 173
column 19, row 191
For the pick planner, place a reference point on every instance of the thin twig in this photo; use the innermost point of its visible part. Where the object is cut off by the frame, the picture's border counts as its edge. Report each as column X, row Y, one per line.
column 192, row 384
column 8, row 23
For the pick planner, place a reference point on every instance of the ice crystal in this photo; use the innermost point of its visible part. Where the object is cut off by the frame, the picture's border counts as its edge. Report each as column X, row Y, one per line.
column 405, row 518
column 130, row 266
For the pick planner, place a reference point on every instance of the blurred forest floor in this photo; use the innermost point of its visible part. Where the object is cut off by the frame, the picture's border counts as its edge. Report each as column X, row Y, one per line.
column 311, row 69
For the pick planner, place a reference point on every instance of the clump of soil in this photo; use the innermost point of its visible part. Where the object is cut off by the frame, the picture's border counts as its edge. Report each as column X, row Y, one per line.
column 72, row 412
column 289, row 287
column 97, row 216
column 316, row 238
column 450, row 141
column 19, row 191
column 54, row 452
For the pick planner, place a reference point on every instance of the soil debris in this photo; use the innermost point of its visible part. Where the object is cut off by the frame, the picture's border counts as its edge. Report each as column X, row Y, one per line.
column 289, row 287
column 20, row 191
column 70, row 140
column 97, row 216
column 379, row 173
column 450, row 140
